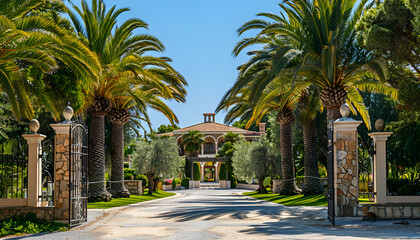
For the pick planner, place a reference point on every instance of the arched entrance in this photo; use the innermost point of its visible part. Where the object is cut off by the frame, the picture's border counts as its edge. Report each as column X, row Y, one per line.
column 209, row 173
column 209, row 167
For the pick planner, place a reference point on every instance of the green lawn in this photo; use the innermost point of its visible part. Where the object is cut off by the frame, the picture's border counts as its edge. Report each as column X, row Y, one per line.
column 364, row 200
column 118, row 202
column 295, row 200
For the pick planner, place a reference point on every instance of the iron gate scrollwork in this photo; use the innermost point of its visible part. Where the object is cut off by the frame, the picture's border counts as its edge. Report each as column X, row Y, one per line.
column 47, row 161
column 78, row 173
column 330, row 172
column 366, row 169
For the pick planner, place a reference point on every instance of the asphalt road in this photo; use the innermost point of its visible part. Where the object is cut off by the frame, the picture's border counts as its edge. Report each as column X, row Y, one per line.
column 226, row 214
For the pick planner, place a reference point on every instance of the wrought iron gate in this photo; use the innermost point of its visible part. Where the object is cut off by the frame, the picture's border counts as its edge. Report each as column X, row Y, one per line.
column 47, row 160
column 78, row 173
column 366, row 168
column 330, row 172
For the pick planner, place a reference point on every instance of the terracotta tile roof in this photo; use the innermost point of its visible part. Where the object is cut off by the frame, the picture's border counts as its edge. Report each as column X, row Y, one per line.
column 210, row 127
column 170, row 134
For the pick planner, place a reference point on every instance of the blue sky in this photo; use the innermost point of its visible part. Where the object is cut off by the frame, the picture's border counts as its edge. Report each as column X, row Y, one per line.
column 199, row 37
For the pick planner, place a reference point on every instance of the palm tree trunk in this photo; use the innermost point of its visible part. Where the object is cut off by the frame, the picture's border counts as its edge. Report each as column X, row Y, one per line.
column 333, row 114
column 96, row 168
column 118, row 189
column 288, row 185
column 312, row 183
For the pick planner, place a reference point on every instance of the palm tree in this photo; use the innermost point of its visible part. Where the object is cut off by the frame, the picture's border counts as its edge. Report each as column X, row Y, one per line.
column 231, row 137
column 28, row 39
column 120, row 54
column 309, row 103
column 139, row 97
column 191, row 142
column 320, row 36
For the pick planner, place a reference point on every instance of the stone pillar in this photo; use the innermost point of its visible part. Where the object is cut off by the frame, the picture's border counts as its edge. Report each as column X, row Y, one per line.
column 202, row 171
column 379, row 165
column 276, row 185
column 34, row 168
column 62, row 171
column 346, row 166
column 216, row 172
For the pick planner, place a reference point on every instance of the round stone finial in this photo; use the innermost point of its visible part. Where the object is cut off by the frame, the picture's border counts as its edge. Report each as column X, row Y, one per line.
column 345, row 110
column 379, row 125
column 68, row 113
column 34, row 125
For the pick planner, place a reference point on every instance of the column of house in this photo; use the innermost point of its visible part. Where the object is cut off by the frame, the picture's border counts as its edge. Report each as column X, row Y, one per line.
column 202, row 171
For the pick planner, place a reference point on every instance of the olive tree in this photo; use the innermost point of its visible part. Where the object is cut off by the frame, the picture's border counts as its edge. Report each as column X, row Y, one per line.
column 156, row 158
column 254, row 159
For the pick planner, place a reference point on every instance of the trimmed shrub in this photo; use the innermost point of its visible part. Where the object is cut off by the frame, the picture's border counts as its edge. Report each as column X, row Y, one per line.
column 130, row 170
column 186, row 182
column 144, row 178
column 166, row 183
column 197, row 174
column 267, row 182
column 233, row 181
column 173, row 183
column 127, row 176
column 222, row 173
column 126, row 165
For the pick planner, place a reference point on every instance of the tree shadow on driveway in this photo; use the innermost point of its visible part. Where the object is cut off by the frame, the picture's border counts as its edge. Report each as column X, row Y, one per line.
column 270, row 219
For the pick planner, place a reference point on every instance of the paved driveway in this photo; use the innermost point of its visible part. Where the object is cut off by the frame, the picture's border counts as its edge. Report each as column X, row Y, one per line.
column 227, row 214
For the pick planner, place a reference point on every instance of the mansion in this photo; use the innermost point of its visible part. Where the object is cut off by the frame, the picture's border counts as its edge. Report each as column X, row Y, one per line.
column 214, row 139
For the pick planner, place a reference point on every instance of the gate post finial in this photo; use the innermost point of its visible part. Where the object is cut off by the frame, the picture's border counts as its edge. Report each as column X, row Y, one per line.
column 68, row 113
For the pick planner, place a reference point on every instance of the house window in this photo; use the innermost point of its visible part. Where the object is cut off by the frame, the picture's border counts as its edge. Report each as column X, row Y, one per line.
column 209, row 148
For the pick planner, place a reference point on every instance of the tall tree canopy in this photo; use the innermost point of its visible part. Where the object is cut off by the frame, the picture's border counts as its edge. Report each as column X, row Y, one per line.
column 390, row 30
column 30, row 39
column 157, row 158
column 254, row 159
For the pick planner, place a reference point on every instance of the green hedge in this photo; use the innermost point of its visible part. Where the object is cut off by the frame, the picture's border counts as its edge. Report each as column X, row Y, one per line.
column 186, row 182
column 173, row 183
column 28, row 225
column 127, row 176
column 144, row 178
column 130, row 170
column 222, row 173
column 126, row 165
column 233, row 181
column 197, row 174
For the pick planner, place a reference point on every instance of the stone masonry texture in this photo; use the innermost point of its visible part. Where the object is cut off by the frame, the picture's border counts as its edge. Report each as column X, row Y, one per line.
column 390, row 211
column 62, row 177
column 43, row 213
column 347, row 173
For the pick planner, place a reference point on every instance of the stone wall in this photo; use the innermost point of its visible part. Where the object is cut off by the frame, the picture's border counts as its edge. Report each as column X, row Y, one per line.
column 62, row 178
column 390, row 211
column 43, row 213
column 247, row 186
column 134, row 186
column 347, row 172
